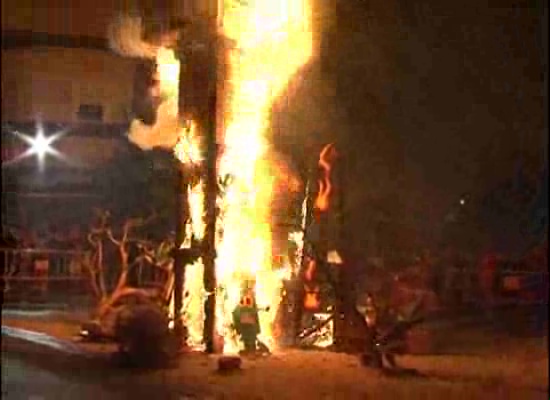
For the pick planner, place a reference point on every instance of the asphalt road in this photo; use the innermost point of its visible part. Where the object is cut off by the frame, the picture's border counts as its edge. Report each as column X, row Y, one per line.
column 23, row 380
column 34, row 372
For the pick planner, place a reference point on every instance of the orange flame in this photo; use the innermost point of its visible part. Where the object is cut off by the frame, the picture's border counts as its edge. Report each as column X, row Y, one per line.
column 311, row 295
column 311, row 298
column 326, row 157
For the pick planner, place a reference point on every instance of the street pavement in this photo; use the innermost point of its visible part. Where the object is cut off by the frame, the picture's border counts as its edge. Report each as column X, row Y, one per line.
column 25, row 381
column 33, row 371
column 39, row 366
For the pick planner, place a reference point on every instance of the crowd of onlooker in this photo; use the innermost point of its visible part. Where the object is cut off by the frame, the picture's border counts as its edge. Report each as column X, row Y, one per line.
column 451, row 281
column 446, row 280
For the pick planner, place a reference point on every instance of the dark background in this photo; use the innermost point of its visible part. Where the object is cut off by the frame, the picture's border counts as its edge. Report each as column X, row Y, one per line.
column 429, row 102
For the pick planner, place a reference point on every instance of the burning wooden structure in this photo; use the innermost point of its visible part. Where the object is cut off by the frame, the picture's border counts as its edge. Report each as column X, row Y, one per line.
column 326, row 293
column 217, row 81
column 217, row 76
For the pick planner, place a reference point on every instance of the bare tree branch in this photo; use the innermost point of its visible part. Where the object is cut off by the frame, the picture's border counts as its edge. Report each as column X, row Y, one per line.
column 110, row 236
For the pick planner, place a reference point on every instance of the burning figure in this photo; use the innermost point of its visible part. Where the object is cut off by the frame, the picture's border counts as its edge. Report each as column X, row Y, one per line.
column 247, row 322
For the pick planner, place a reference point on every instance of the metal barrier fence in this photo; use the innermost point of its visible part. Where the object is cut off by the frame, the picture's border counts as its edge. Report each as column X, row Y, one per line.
column 42, row 270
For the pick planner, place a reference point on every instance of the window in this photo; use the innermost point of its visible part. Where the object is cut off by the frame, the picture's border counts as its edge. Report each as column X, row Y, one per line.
column 90, row 112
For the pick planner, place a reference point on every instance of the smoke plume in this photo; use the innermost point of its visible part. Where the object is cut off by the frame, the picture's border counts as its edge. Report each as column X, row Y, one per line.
column 164, row 132
column 126, row 38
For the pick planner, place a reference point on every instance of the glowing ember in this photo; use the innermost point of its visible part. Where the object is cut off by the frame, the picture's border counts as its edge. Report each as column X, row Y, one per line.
column 273, row 40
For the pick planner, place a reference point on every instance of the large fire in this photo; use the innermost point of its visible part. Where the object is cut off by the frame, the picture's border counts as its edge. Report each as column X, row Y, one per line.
column 272, row 41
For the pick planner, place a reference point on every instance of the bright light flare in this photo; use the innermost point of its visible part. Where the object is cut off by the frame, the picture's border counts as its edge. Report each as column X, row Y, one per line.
column 40, row 145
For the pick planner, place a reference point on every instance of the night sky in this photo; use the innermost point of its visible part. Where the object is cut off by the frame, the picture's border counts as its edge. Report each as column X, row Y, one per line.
column 434, row 101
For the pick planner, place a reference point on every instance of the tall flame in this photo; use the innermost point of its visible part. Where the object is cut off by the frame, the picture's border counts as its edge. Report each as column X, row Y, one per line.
column 273, row 40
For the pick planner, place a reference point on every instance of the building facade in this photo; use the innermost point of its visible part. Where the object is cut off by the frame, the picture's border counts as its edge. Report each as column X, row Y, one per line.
column 59, row 75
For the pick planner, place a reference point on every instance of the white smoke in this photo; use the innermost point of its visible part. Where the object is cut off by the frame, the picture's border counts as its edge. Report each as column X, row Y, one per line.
column 164, row 133
column 125, row 35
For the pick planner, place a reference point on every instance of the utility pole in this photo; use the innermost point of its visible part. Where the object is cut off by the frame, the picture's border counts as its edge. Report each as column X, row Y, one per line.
column 198, row 102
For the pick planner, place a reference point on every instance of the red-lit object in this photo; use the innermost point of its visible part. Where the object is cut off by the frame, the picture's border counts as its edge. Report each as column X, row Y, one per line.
column 311, row 298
